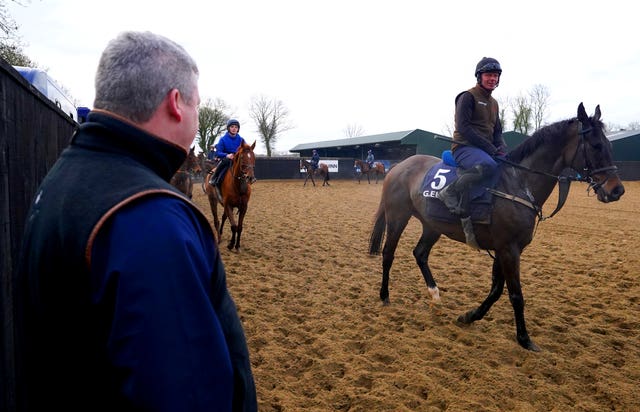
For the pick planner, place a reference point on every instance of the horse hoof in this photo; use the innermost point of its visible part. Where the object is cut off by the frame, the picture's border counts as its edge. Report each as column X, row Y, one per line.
column 529, row 345
column 385, row 302
column 467, row 318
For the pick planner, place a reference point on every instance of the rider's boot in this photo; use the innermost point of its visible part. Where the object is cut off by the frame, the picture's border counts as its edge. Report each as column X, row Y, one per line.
column 456, row 198
column 452, row 195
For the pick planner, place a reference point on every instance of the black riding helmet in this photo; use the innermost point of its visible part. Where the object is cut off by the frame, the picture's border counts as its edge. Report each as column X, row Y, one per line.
column 231, row 122
column 487, row 65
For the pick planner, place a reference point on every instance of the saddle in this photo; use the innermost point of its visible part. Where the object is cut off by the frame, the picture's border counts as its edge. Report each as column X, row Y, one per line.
column 441, row 175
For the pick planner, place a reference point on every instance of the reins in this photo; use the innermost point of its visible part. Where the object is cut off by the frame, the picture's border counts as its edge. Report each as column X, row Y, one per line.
column 564, row 180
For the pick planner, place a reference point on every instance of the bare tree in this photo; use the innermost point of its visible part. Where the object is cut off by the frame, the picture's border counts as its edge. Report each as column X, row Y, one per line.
column 633, row 126
column 539, row 101
column 503, row 103
column 353, row 130
column 10, row 43
column 521, row 111
column 270, row 116
column 213, row 119
column 8, row 26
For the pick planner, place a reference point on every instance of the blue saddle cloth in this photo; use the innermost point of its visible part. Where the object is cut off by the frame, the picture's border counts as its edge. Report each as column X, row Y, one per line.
column 443, row 174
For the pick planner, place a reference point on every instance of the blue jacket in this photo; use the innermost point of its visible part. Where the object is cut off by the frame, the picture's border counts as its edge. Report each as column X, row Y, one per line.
column 315, row 159
column 124, row 287
column 228, row 144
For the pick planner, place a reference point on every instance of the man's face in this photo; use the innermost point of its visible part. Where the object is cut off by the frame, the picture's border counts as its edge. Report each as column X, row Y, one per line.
column 191, row 118
column 489, row 80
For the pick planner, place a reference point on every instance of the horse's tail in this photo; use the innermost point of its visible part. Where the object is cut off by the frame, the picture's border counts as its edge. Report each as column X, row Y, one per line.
column 377, row 234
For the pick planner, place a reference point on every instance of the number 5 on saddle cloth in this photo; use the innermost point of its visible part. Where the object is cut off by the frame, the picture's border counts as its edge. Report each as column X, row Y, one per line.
column 445, row 173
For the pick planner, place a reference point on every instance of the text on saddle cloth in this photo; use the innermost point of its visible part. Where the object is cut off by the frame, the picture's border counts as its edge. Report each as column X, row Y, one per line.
column 442, row 174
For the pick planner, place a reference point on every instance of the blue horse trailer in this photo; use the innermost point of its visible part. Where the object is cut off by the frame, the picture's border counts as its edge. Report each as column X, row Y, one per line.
column 52, row 90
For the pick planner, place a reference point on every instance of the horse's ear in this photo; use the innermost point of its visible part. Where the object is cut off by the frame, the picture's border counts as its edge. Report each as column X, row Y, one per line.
column 582, row 114
column 253, row 146
column 597, row 115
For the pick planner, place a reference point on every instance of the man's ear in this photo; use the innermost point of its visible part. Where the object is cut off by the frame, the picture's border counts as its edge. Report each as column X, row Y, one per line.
column 173, row 104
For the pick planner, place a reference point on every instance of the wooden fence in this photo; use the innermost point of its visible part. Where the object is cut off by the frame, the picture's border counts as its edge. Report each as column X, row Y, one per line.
column 33, row 132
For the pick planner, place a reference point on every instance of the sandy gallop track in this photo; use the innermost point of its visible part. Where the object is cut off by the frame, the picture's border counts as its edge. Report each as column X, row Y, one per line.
column 320, row 340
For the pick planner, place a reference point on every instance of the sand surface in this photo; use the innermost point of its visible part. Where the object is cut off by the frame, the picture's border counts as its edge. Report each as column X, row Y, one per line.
column 320, row 339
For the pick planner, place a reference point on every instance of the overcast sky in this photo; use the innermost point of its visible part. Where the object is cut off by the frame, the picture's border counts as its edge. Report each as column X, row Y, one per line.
column 384, row 66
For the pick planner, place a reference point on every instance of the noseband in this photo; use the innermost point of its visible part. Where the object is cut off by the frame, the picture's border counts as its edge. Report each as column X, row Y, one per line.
column 587, row 171
column 244, row 176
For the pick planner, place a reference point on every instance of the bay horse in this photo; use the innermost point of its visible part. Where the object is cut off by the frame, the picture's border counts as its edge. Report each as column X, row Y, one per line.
column 183, row 178
column 528, row 176
column 322, row 170
column 377, row 169
column 236, row 192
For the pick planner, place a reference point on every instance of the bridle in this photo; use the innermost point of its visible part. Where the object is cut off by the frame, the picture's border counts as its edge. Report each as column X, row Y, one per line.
column 565, row 178
column 244, row 167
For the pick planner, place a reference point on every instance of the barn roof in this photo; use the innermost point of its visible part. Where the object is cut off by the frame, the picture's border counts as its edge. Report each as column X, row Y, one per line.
column 357, row 141
column 623, row 134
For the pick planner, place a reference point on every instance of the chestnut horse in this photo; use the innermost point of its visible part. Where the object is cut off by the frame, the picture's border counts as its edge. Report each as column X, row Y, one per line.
column 235, row 190
column 183, row 178
column 378, row 169
column 528, row 176
column 322, row 170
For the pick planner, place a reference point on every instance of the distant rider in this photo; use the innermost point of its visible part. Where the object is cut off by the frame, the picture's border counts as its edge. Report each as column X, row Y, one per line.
column 370, row 158
column 315, row 159
column 225, row 149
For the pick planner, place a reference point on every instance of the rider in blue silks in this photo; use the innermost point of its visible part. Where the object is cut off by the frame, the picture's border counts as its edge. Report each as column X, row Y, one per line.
column 225, row 149
column 477, row 140
column 315, row 159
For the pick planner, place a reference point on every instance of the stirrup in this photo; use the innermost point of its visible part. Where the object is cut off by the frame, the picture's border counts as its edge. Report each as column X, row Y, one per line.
column 452, row 201
column 469, row 234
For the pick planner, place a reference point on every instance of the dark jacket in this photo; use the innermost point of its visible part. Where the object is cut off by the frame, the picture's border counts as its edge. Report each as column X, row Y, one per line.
column 123, row 312
column 477, row 121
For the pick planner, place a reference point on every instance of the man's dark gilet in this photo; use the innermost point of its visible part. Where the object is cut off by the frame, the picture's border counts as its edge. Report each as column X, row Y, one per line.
column 485, row 114
column 103, row 169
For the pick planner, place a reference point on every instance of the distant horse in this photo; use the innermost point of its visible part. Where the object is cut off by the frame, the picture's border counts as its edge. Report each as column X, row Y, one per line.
column 528, row 177
column 377, row 169
column 235, row 190
column 322, row 170
column 183, row 178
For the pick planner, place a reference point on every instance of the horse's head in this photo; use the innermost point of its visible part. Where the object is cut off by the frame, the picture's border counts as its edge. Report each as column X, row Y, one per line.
column 244, row 163
column 192, row 163
column 593, row 157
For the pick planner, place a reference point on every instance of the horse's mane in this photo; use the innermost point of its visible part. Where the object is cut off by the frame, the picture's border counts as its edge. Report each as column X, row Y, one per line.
column 545, row 135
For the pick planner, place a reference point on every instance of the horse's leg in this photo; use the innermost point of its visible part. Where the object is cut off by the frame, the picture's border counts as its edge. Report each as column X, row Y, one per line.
column 213, row 203
column 395, row 227
column 506, row 269
column 497, row 286
column 511, row 270
column 421, row 254
column 228, row 213
column 242, row 210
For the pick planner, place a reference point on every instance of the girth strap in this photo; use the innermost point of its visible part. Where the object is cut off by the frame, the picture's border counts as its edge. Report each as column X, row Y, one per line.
column 564, row 182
